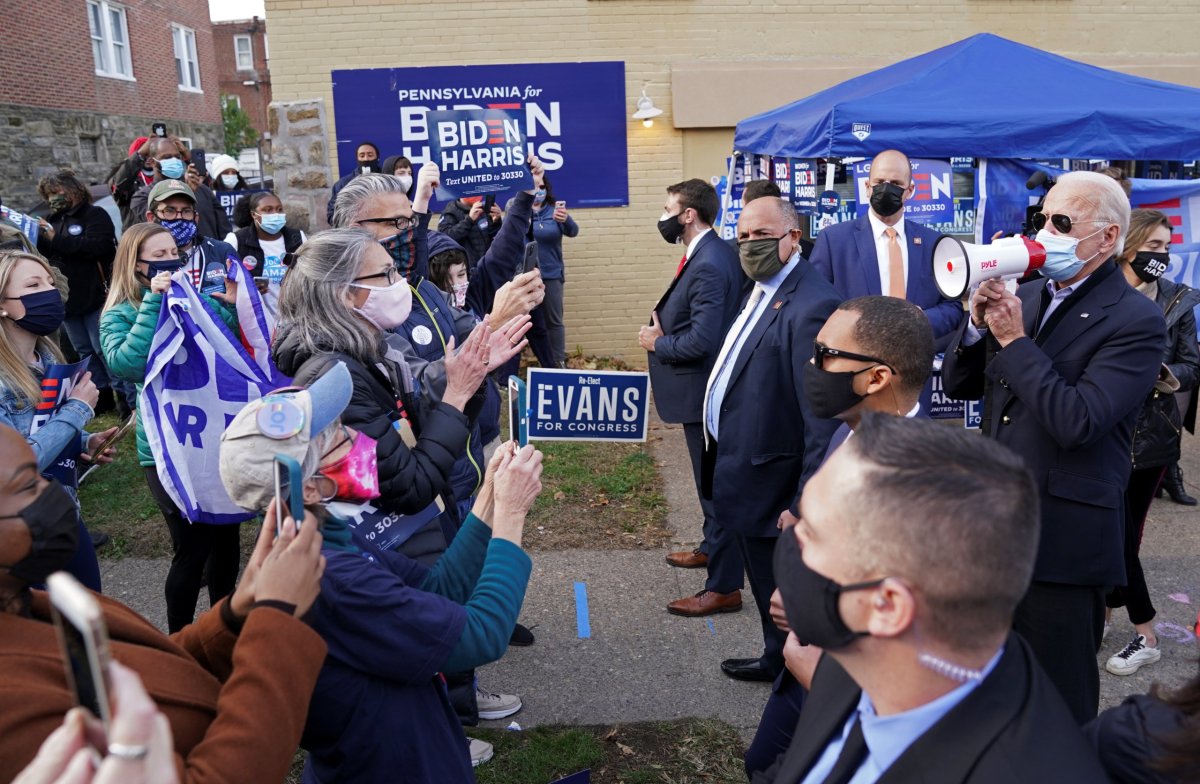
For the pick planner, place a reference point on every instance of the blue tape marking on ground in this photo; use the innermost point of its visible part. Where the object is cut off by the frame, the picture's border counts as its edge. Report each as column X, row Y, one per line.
column 581, row 611
column 711, row 628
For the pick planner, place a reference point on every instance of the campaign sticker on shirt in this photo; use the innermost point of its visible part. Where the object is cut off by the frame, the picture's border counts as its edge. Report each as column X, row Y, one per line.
column 74, row 230
column 422, row 335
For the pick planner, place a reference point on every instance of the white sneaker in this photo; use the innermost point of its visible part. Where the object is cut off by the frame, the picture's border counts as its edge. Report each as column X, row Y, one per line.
column 496, row 706
column 481, row 751
column 1132, row 657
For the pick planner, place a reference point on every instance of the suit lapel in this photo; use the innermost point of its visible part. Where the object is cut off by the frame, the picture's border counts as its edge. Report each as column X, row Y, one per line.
column 869, row 265
column 677, row 279
column 833, row 696
column 776, row 303
column 1031, row 303
column 1093, row 304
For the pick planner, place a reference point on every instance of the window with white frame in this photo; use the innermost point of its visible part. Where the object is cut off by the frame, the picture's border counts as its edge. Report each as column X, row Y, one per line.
column 243, row 50
column 110, row 39
column 233, row 100
column 187, row 65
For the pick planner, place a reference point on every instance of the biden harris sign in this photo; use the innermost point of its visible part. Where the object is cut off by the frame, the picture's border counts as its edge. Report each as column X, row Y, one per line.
column 572, row 116
column 587, row 405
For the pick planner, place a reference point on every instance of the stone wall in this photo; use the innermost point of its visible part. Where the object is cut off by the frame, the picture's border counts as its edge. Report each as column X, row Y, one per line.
column 299, row 154
column 36, row 141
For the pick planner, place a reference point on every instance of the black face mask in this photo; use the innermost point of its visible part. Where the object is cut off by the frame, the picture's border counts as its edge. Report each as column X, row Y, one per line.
column 44, row 312
column 829, row 394
column 670, row 228
column 1150, row 266
column 887, row 199
column 810, row 600
column 53, row 522
column 369, row 167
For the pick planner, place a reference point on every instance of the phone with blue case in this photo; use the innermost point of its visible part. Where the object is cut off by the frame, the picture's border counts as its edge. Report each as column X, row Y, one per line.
column 289, row 492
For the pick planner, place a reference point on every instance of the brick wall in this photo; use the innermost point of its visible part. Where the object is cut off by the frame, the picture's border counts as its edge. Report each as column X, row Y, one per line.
column 619, row 266
column 255, row 98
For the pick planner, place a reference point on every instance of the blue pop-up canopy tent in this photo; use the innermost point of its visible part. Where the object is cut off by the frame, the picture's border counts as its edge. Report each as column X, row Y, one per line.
column 988, row 97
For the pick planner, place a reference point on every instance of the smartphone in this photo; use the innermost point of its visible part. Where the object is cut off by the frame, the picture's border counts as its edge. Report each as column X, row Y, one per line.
column 489, row 201
column 200, row 161
column 83, row 638
column 122, row 431
column 289, row 492
column 159, row 130
column 262, row 284
column 518, row 411
column 560, row 205
column 531, row 259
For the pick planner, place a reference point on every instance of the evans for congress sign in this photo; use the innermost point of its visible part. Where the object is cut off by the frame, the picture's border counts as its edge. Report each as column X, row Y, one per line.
column 572, row 116
column 587, row 405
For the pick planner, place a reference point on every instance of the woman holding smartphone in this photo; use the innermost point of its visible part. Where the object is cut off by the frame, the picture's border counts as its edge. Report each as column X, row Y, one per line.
column 147, row 257
column 234, row 686
column 550, row 224
column 31, row 310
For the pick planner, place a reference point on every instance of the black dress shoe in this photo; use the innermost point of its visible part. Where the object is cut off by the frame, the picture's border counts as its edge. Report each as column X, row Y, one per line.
column 749, row 670
column 99, row 539
column 521, row 636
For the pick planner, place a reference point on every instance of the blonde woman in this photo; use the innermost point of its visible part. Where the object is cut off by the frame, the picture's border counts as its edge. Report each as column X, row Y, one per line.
column 146, row 259
column 30, row 311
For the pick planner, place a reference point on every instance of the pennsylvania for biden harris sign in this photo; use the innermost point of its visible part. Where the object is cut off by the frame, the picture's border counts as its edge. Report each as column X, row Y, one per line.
column 572, row 116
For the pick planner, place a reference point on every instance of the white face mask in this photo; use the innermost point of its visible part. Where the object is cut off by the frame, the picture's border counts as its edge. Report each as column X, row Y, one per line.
column 459, row 291
column 388, row 307
column 405, row 181
column 229, row 180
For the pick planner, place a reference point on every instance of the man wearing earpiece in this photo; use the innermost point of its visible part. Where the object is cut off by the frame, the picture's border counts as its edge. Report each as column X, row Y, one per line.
column 884, row 253
column 1063, row 366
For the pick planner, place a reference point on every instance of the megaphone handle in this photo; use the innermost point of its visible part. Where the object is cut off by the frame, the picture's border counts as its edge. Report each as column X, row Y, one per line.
column 1011, row 285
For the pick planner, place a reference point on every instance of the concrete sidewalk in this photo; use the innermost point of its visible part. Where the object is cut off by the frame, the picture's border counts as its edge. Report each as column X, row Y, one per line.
column 640, row 663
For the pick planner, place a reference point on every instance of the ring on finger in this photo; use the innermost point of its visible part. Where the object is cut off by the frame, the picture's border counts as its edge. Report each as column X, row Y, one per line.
column 127, row 751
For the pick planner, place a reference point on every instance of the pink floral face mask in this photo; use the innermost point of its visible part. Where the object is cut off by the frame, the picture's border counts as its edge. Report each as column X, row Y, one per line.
column 356, row 476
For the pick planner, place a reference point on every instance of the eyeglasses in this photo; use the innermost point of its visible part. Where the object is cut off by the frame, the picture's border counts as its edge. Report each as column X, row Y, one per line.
column 171, row 213
column 401, row 222
column 391, row 273
column 1060, row 221
column 820, row 352
column 346, row 439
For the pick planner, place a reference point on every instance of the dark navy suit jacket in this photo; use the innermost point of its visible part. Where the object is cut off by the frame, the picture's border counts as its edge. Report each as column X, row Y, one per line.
column 845, row 254
column 1067, row 401
column 695, row 312
column 770, row 441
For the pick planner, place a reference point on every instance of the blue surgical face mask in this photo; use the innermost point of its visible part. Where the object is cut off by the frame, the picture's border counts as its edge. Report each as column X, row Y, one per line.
column 272, row 223
column 172, row 168
column 1061, row 261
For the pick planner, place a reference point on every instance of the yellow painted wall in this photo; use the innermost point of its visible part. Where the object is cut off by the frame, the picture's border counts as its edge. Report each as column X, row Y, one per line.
column 618, row 266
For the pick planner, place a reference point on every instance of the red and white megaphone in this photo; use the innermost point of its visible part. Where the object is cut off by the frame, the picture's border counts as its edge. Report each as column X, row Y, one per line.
column 959, row 266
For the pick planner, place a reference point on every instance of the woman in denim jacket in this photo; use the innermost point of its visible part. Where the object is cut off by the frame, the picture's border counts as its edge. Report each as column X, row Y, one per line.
column 31, row 310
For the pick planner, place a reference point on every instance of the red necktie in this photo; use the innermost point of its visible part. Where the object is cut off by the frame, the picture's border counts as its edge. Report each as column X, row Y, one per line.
column 679, row 269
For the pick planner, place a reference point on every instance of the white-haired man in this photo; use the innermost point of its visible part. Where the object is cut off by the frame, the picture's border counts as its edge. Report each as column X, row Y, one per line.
column 1063, row 366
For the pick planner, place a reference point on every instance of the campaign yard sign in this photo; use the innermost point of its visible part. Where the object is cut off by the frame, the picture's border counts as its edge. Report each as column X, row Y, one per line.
column 478, row 152
column 931, row 202
column 587, row 405
column 572, row 116
column 56, row 386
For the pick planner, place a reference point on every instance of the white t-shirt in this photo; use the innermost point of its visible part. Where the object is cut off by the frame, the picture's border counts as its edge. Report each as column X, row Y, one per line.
column 272, row 269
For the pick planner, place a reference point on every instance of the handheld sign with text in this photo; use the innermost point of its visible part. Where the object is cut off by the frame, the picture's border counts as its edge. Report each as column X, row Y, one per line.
column 229, row 199
column 587, row 405
column 26, row 223
column 56, row 388
column 480, row 151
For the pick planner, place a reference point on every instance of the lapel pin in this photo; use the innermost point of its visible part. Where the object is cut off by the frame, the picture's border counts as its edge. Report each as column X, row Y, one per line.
column 1083, row 315
column 916, row 240
column 778, row 304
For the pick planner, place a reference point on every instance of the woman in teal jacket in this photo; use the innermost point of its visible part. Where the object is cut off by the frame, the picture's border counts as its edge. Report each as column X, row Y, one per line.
column 146, row 259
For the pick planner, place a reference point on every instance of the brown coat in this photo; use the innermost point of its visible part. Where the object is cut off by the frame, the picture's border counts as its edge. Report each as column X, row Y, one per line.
column 236, row 703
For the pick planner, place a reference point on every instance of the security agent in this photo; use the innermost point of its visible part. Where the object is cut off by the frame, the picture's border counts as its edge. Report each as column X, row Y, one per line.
column 910, row 592
column 1063, row 366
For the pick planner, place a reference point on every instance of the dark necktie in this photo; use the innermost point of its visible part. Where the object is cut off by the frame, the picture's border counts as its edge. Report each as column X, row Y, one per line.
column 851, row 758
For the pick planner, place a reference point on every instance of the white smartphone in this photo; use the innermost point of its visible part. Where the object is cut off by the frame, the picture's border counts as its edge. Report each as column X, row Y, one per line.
column 83, row 637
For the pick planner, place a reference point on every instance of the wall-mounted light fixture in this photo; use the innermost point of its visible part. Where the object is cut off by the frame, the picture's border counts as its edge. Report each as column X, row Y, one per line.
column 646, row 110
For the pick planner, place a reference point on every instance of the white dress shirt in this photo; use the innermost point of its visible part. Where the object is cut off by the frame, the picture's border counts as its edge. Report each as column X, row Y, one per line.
column 691, row 248
column 741, row 328
column 882, row 255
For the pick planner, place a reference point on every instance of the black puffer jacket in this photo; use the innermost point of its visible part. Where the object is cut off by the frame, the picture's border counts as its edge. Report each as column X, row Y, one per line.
column 1128, row 737
column 409, row 479
column 83, row 248
column 1156, row 439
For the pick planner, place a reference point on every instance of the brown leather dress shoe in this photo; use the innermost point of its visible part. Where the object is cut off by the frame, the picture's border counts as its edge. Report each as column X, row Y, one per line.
column 688, row 560
column 706, row 603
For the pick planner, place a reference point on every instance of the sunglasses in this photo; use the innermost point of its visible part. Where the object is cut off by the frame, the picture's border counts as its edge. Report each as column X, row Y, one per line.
column 1061, row 222
column 820, row 352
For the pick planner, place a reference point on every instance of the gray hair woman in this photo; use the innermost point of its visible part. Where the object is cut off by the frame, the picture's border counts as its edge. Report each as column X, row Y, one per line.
column 339, row 298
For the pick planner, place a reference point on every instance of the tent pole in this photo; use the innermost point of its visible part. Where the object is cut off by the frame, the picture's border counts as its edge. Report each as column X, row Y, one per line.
column 727, row 198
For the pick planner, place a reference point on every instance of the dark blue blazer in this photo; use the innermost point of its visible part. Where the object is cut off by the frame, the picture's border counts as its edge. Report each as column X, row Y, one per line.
column 1067, row 403
column 770, row 442
column 845, row 254
column 695, row 312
